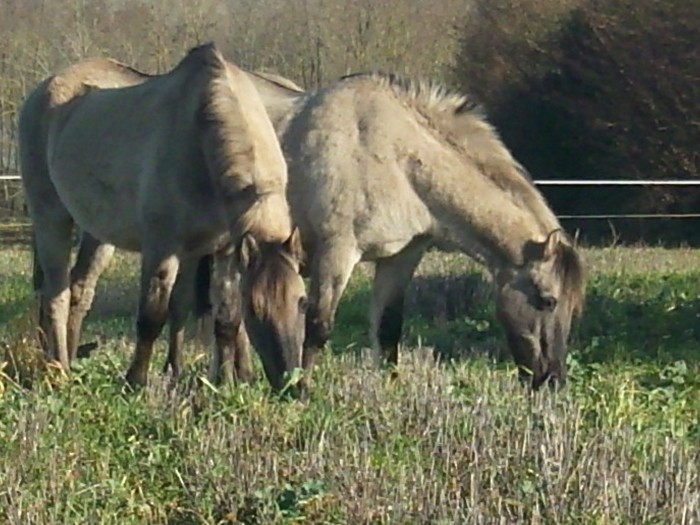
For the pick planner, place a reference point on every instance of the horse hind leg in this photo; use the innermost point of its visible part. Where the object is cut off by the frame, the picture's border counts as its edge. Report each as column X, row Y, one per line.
column 391, row 278
column 158, row 275
column 53, row 247
column 93, row 257
column 38, row 286
column 178, row 312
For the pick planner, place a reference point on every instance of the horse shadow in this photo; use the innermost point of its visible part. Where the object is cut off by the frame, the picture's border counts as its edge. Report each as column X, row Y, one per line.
column 453, row 314
column 624, row 320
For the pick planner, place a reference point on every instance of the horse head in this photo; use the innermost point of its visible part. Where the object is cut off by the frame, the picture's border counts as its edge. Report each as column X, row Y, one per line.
column 536, row 303
column 274, row 303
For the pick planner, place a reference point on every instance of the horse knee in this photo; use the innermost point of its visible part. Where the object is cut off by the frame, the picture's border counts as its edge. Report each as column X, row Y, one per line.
column 391, row 325
column 154, row 305
column 225, row 329
column 81, row 297
column 149, row 325
column 76, row 293
column 318, row 332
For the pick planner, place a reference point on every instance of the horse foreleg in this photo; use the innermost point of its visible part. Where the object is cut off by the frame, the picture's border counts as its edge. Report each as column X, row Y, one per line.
column 93, row 257
column 178, row 311
column 241, row 358
column 231, row 360
column 158, row 276
column 330, row 272
column 202, row 307
column 391, row 278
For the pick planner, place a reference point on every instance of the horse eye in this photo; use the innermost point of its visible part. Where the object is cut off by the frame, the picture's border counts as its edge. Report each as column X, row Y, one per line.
column 303, row 304
column 548, row 303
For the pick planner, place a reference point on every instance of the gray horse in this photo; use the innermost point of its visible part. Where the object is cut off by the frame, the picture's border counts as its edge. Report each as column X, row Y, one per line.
column 173, row 166
column 379, row 169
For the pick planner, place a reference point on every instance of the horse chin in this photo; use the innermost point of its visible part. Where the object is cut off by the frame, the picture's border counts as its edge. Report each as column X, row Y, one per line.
column 274, row 355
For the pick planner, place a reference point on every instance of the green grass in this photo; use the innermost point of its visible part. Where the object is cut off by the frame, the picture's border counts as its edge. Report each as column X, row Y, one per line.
column 449, row 443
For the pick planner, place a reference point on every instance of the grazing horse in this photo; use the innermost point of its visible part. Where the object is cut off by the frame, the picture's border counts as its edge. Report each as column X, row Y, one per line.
column 380, row 168
column 173, row 166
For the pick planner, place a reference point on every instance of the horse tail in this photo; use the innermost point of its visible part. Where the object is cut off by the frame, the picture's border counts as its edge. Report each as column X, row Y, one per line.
column 38, row 283
column 202, row 301
column 37, row 272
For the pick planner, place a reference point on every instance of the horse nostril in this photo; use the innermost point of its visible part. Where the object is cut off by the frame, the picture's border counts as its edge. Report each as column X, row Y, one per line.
column 549, row 303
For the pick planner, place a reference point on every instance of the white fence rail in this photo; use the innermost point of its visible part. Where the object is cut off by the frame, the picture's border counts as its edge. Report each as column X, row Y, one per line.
column 565, row 182
column 588, row 182
column 623, row 182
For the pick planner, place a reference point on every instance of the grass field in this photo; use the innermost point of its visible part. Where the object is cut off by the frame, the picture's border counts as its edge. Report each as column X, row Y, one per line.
column 456, row 442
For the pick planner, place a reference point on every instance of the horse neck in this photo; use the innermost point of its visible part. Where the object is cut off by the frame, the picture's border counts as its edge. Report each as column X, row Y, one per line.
column 491, row 217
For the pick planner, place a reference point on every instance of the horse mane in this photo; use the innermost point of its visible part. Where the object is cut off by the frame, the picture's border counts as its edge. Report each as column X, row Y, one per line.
column 246, row 165
column 232, row 154
column 459, row 119
column 568, row 265
column 430, row 95
column 269, row 279
column 462, row 124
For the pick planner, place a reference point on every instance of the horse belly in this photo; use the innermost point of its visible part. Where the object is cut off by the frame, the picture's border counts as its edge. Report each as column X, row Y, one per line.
column 381, row 250
column 101, row 206
column 108, row 218
column 385, row 231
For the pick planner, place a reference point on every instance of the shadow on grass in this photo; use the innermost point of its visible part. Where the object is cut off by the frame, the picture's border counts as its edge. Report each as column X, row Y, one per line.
column 640, row 318
column 453, row 314
column 18, row 302
column 651, row 317
column 648, row 318
column 14, row 308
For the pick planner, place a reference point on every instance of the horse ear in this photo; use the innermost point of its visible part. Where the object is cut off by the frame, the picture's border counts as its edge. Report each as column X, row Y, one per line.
column 248, row 252
column 293, row 245
column 553, row 240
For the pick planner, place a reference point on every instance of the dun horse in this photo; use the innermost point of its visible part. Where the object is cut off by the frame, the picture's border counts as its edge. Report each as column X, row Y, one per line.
column 379, row 169
column 173, row 166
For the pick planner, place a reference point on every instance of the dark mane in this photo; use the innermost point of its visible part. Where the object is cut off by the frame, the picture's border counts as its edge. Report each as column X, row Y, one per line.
column 434, row 95
column 269, row 278
column 568, row 265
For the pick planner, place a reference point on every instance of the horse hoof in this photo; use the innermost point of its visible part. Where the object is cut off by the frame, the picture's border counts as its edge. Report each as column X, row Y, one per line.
column 86, row 349
column 244, row 377
column 135, row 381
column 173, row 369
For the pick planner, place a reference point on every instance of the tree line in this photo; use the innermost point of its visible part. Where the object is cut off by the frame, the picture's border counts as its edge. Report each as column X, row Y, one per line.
column 595, row 89
column 577, row 88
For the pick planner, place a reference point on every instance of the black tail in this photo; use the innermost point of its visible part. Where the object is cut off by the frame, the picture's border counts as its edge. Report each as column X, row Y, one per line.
column 37, row 272
column 202, row 301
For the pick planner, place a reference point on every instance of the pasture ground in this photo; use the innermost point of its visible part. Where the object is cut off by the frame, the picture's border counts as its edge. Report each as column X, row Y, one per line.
column 457, row 442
